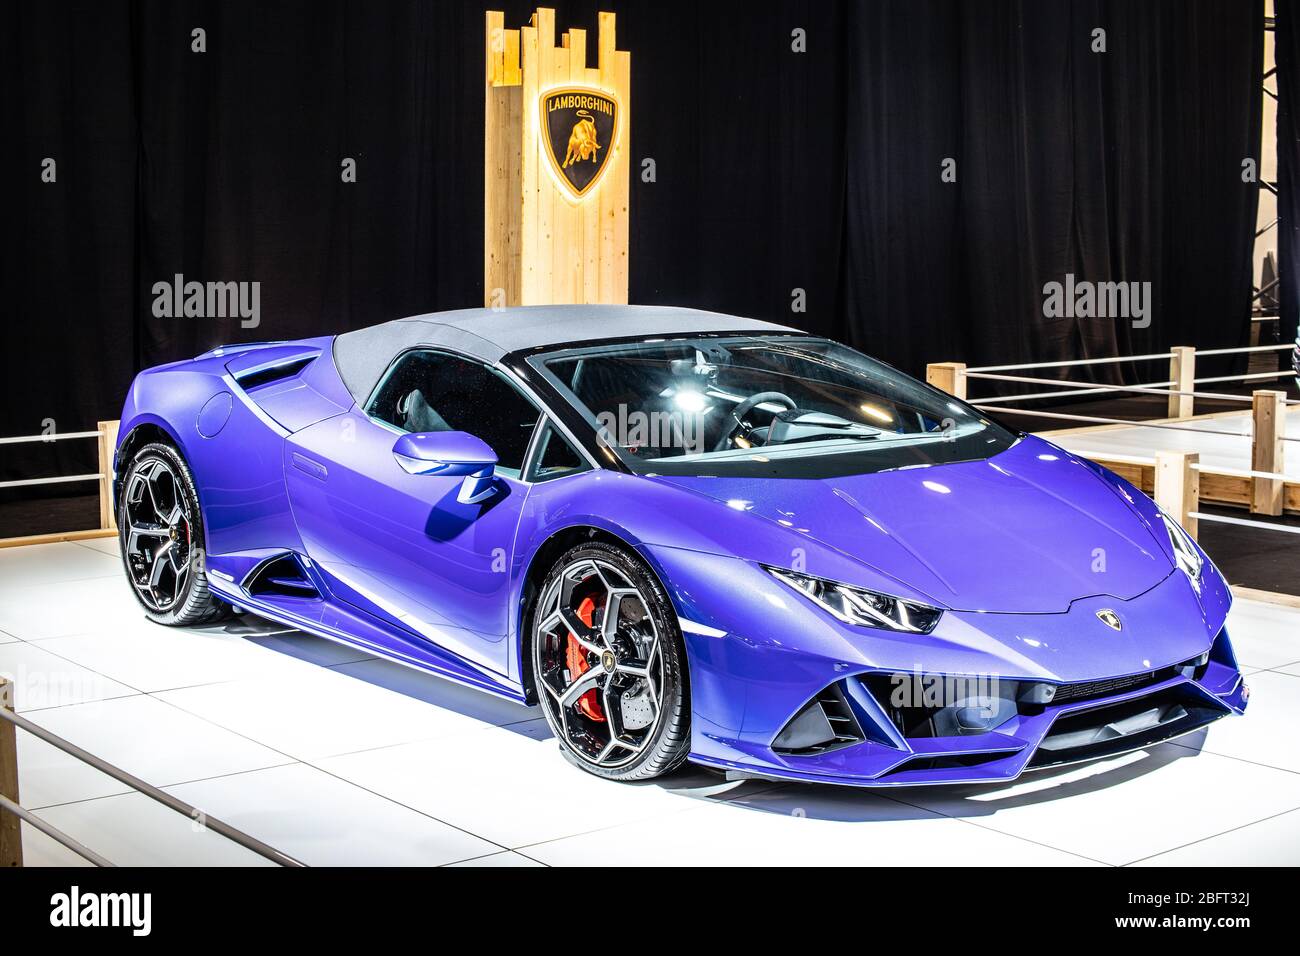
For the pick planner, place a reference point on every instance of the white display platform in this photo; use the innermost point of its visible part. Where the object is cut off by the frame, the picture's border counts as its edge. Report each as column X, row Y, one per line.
column 337, row 758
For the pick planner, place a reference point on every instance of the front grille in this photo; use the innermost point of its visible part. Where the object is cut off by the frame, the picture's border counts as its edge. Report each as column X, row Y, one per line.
column 1132, row 724
column 922, row 715
column 1086, row 690
column 929, row 705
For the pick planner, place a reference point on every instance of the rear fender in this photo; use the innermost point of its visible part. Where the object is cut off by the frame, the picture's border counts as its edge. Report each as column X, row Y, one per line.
column 234, row 452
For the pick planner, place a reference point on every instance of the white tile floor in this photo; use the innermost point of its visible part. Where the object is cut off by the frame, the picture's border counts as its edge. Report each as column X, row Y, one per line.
column 338, row 758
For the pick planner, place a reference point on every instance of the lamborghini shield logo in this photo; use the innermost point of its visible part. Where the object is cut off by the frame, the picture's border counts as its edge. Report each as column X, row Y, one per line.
column 1110, row 619
column 579, row 129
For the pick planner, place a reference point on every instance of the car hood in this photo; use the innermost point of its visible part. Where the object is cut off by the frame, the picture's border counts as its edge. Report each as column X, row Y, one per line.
column 1030, row 530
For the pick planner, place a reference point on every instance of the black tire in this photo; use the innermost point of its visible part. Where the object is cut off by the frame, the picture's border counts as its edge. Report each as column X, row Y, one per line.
column 664, row 744
column 181, row 596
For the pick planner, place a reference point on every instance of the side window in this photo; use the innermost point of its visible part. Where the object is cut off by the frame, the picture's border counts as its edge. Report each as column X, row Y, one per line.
column 434, row 392
column 555, row 457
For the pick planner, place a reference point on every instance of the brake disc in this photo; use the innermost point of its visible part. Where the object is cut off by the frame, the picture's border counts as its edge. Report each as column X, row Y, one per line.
column 637, row 707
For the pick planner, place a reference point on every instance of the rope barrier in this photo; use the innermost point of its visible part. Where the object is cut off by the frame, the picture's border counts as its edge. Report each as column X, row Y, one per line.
column 1118, row 459
column 1241, row 378
column 1050, row 381
column 1209, row 469
column 985, row 406
column 1151, row 388
column 1116, row 359
column 1244, row 473
column 1078, row 390
column 54, row 436
column 1094, row 361
column 50, row 481
column 1113, row 421
column 1290, row 529
column 1087, row 388
column 1243, row 349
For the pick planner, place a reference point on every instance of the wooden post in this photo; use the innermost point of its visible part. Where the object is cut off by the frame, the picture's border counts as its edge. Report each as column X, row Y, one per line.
column 556, row 164
column 1182, row 372
column 11, row 832
column 948, row 377
column 107, row 446
column 1178, row 487
column 1266, row 451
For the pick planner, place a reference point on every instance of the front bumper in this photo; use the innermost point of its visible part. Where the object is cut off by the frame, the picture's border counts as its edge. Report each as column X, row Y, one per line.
column 1170, row 703
column 758, row 663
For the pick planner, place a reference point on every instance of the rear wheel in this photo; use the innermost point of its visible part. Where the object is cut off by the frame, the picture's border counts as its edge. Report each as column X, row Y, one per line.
column 160, row 528
column 609, row 666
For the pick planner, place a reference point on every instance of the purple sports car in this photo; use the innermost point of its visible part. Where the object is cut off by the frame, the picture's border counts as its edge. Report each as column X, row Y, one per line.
column 686, row 536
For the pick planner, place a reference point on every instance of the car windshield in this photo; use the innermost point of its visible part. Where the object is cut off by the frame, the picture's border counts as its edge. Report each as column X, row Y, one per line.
column 770, row 406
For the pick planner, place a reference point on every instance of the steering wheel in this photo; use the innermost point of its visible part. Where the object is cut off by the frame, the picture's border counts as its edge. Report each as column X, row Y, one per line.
column 744, row 408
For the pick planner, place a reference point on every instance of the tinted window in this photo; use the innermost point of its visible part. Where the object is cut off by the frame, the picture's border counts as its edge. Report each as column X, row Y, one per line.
column 555, row 457
column 432, row 392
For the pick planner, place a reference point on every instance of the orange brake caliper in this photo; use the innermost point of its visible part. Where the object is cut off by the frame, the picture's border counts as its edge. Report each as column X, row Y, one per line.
column 575, row 657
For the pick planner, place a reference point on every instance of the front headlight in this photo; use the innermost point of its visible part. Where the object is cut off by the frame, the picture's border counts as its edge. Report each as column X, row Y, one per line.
column 1185, row 554
column 854, row 605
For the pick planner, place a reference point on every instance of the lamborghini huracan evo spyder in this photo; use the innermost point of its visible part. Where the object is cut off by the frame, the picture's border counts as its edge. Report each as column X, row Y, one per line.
column 686, row 536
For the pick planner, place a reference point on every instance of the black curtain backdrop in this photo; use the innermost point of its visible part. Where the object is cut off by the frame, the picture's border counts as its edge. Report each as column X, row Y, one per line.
column 1117, row 166
column 776, row 171
column 1286, row 50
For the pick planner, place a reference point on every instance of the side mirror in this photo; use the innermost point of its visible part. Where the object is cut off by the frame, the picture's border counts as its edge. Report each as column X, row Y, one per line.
column 450, row 454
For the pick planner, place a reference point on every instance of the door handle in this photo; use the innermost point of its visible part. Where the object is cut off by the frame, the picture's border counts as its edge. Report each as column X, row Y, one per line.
column 309, row 467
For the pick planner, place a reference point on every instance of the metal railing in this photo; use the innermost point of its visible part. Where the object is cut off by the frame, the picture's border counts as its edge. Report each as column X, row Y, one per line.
column 9, row 801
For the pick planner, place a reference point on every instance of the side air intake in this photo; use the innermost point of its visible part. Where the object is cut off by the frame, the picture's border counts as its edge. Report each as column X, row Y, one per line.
column 283, row 576
column 257, row 368
column 256, row 378
column 825, row 723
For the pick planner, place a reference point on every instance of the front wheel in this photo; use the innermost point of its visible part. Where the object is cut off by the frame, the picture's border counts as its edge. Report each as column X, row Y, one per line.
column 160, row 528
column 609, row 666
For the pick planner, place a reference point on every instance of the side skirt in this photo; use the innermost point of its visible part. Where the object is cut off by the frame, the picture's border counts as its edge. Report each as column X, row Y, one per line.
column 351, row 629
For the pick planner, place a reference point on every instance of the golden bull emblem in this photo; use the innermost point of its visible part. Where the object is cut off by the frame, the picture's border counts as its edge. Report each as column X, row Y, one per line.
column 579, row 126
column 582, row 141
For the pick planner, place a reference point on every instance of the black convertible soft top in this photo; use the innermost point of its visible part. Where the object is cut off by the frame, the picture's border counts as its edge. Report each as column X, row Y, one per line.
column 489, row 334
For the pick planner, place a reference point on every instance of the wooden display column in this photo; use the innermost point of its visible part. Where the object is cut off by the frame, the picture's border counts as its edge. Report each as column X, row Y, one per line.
column 555, row 173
